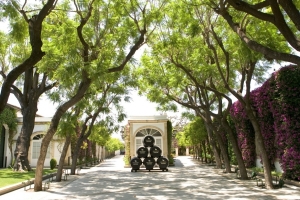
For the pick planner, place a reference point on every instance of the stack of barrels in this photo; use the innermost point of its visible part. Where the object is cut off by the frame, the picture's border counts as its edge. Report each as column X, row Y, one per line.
column 149, row 155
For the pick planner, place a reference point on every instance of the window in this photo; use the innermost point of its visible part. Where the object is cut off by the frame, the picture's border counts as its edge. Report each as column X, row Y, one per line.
column 36, row 146
column 148, row 131
column 158, row 142
column 138, row 143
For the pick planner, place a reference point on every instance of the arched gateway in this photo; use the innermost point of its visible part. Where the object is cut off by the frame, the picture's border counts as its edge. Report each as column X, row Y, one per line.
column 140, row 126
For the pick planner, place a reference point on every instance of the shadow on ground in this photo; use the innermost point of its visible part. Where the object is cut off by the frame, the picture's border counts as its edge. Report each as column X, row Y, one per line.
column 186, row 180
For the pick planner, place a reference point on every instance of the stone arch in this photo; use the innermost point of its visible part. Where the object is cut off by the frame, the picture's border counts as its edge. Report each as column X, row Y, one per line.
column 148, row 130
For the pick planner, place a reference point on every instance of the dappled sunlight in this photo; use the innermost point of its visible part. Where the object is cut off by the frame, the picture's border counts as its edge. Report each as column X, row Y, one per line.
column 187, row 180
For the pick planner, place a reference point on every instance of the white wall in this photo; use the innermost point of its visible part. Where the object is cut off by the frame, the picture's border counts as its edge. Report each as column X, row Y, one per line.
column 41, row 127
column 276, row 163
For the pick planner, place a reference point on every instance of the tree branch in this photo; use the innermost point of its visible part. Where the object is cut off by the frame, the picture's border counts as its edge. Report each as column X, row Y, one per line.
column 267, row 52
column 276, row 18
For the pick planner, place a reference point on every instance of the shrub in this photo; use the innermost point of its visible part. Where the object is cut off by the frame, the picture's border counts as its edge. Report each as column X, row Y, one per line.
column 53, row 163
column 171, row 159
column 126, row 159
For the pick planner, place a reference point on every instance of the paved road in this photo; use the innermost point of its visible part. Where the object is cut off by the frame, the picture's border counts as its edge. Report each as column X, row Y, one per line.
column 186, row 180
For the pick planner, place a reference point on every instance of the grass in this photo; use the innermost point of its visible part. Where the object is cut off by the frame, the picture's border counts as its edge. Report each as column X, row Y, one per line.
column 274, row 173
column 261, row 170
column 9, row 177
column 257, row 169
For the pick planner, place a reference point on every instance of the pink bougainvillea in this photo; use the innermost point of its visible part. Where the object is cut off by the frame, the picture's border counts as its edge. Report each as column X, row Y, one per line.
column 277, row 106
column 245, row 133
column 260, row 99
column 285, row 109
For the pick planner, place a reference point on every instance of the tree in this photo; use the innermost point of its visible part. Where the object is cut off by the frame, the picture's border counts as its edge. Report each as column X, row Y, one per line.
column 103, row 52
column 247, row 69
column 27, row 88
column 193, row 134
column 250, row 19
column 13, row 11
column 203, row 92
column 95, row 108
column 196, row 132
column 33, row 88
column 114, row 144
column 225, row 67
column 66, row 129
column 100, row 135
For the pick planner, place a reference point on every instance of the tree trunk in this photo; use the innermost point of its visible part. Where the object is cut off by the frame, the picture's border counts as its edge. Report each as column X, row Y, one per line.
column 62, row 158
column 224, row 152
column 200, row 152
column 75, row 154
column 35, row 56
column 259, row 141
column 214, row 146
column 103, row 154
column 10, row 146
column 11, row 156
column 204, row 151
column 21, row 153
column 38, row 185
column 94, row 152
column 236, row 149
column 53, row 127
column 23, row 141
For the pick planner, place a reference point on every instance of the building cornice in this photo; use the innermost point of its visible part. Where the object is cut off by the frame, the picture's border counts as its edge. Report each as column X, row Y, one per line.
column 148, row 119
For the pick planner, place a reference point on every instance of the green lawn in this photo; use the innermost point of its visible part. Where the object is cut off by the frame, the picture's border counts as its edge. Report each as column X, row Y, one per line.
column 9, row 177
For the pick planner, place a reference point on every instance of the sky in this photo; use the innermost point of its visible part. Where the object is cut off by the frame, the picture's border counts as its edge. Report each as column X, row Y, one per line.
column 139, row 105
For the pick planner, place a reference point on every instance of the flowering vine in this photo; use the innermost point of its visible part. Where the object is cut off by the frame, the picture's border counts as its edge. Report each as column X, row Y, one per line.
column 276, row 104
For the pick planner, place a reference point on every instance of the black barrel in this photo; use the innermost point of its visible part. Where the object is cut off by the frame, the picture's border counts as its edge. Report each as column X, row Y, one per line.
column 163, row 162
column 149, row 163
column 142, row 152
column 135, row 163
column 155, row 152
column 148, row 141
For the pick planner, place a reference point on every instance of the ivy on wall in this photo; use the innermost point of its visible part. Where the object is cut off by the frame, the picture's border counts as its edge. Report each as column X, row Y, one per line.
column 9, row 117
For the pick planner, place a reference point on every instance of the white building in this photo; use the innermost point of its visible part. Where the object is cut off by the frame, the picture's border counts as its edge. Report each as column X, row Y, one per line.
column 140, row 126
column 40, row 128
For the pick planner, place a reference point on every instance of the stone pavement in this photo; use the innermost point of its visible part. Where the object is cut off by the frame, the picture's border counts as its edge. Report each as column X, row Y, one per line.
column 187, row 180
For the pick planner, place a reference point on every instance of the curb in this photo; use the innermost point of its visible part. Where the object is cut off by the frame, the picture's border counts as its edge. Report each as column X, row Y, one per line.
column 17, row 186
